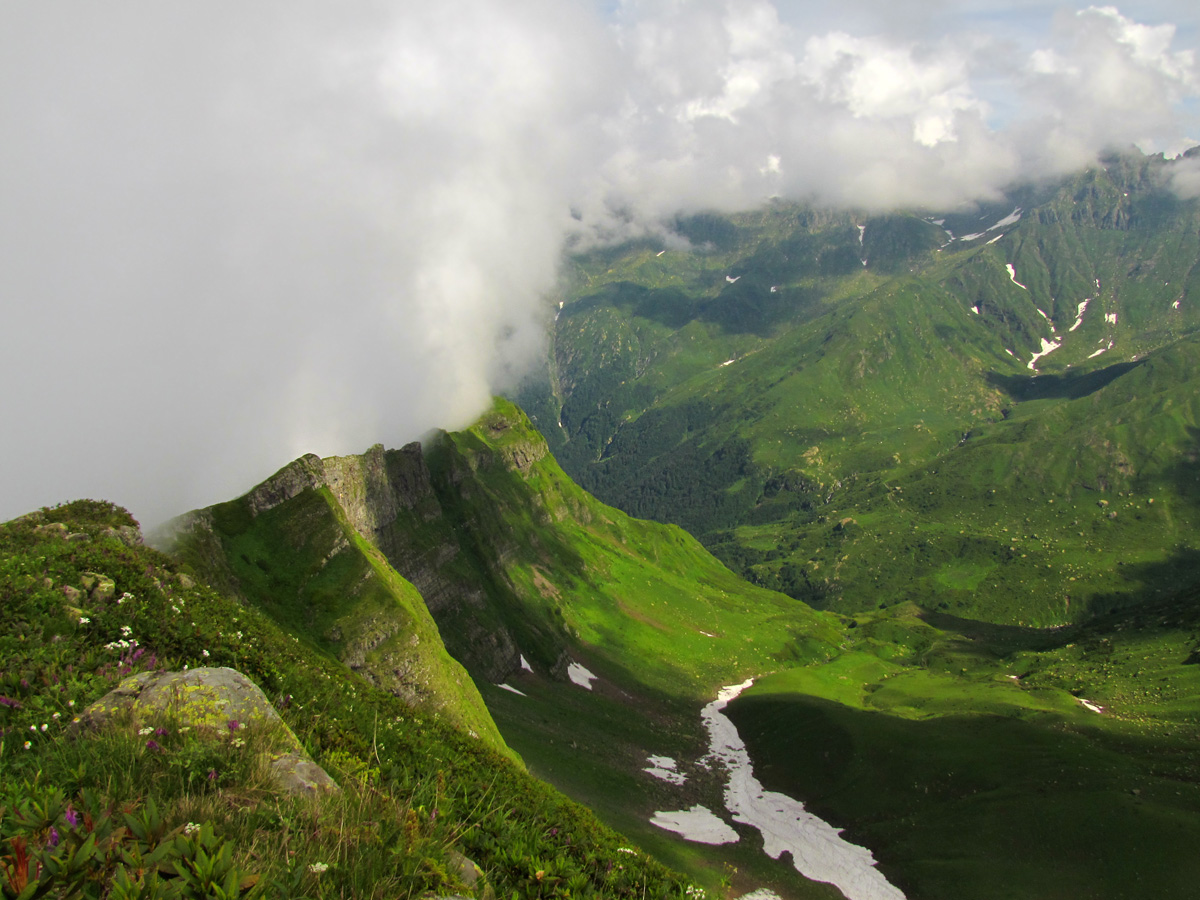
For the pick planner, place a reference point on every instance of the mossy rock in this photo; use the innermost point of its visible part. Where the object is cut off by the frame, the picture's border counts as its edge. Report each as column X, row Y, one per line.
column 214, row 701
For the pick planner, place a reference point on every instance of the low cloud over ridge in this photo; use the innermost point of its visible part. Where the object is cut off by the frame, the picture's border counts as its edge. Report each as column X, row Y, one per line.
column 235, row 234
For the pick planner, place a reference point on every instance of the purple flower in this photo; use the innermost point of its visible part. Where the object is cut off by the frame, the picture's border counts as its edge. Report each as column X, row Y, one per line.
column 71, row 816
column 233, row 725
column 212, row 774
column 9, row 701
column 161, row 732
column 152, row 745
column 53, row 842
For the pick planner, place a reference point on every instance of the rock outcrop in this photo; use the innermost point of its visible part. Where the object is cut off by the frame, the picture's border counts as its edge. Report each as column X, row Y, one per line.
column 212, row 701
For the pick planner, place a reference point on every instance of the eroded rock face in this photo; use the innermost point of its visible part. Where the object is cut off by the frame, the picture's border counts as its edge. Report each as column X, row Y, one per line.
column 212, row 700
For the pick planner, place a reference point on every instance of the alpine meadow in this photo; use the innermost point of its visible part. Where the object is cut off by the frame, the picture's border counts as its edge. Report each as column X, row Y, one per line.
column 600, row 450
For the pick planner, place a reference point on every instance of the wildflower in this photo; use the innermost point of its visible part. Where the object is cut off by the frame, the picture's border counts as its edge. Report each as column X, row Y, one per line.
column 56, row 716
column 627, row 850
column 10, row 702
column 212, row 774
column 126, row 631
column 318, row 867
column 28, row 745
column 152, row 745
column 33, row 728
column 160, row 732
column 238, row 742
column 204, row 653
column 145, row 731
column 45, row 727
column 84, row 620
column 70, row 703
column 234, row 725
column 190, row 828
column 53, row 842
column 71, row 816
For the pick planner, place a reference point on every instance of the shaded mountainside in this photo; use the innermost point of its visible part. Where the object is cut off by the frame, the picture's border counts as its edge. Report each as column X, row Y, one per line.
column 860, row 409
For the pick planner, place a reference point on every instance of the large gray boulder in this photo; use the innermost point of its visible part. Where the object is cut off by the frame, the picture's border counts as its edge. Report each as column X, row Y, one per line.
column 211, row 701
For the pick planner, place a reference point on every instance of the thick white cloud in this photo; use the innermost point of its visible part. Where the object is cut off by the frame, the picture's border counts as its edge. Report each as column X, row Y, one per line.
column 231, row 234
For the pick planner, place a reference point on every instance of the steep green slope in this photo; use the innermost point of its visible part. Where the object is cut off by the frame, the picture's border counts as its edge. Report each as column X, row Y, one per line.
column 83, row 605
column 760, row 395
column 288, row 548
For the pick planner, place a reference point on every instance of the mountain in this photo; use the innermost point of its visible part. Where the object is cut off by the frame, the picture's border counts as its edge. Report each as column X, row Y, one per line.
column 1003, row 401
column 969, row 758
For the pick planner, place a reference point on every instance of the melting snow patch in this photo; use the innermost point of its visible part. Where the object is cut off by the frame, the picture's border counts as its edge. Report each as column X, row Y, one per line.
column 732, row 278
column 525, row 664
column 817, row 848
column 706, row 634
column 1047, row 347
column 664, row 769
column 1010, row 353
column 996, row 238
column 975, row 309
column 971, row 237
column 1079, row 311
column 1096, row 708
column 1110, row 318
column 862, row 230
column 697, row 824
column 509, row 687
column 1175, row 305
column 1097, row 353
column 1012, row 274
column 726, row 363
column 580, row 675
column 775, row 287
column 660, row 252
column 761, row 894
column 1011, row 219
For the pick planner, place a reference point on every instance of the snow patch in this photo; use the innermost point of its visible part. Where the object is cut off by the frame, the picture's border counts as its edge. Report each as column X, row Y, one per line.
column 975, row 309
column 1012, row 274
column 862, row 230
column 817, row 848
column 726, row 363
column 732, row 278
column 580, row 675
column 1094, row 707
column 971, row 237
column 1110, row 318
column 761, row 894
column 774, row 288
column 1175, row 305
column 665, row 769
column 660, row 252
column 697, row 824
column 1047, row 348
column 509, row 687
column 1010, row 353
column 525, row 664
column 1098, row 352
column 706, row 634
column 1011, row 219
column 996, row 238
column 1079, row 311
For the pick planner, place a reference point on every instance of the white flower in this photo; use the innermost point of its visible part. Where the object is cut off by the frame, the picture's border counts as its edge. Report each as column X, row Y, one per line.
column 126, row 631
column 33, row 728
column 45, row 727
column 204, row 653
column 28, row 744
column 70, row 703
column 191, row 828
column 318, row 868
column 56, row 716
column 84, row 620
column 145, row 731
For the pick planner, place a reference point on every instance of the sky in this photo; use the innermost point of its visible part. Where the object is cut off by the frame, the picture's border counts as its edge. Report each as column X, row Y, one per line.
column 233, row 233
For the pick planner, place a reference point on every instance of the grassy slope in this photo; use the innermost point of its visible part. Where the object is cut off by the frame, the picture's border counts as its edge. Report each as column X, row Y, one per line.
column 976, row 775
column 414, row 788
column 850, row 393
column 958, row 752
column 304, row 565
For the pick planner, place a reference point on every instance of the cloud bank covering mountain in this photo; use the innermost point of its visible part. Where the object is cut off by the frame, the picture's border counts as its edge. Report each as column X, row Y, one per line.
column 302, row 228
